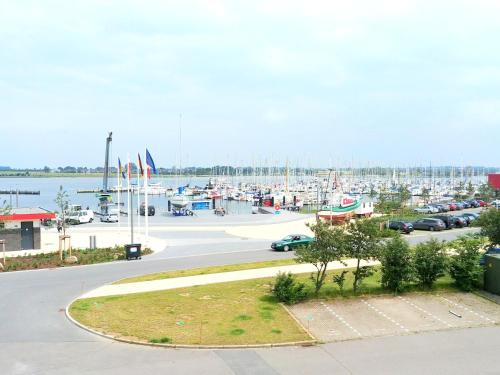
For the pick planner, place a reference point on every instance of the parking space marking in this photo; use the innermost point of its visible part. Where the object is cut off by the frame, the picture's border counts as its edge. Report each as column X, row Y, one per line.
column 425, row 312
column 381, row 313
column 468, row 310
column 340, row 319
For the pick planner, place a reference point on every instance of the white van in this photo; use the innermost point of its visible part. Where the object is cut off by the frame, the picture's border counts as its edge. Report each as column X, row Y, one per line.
column 81, row 217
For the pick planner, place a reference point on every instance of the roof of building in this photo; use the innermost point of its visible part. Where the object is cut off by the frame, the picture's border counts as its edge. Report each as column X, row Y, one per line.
column 27, row 214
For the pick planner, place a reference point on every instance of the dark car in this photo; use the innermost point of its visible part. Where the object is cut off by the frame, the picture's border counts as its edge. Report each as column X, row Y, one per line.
column 403, row 226
column 151, row 210
column 429, row 224
column 474, row 203
column 469, row 217
column 466, row 204
column 447, row 220
column 443, row 207
column 490, row 251
column 291, row 242
column 459, row 221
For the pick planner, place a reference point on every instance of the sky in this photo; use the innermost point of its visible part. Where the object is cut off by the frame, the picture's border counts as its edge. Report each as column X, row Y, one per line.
column 320, row 83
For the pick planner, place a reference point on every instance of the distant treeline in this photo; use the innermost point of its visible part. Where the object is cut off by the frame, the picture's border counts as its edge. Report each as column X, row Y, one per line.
column 226, row 170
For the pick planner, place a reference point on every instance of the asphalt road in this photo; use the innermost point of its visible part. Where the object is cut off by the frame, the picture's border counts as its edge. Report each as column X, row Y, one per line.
column 36, row 337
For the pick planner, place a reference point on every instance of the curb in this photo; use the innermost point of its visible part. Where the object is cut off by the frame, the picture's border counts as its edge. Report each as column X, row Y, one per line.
column 186, row 346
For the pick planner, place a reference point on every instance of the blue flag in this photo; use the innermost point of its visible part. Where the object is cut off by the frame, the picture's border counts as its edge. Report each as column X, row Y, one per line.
column 149, row 162
column 120, row 169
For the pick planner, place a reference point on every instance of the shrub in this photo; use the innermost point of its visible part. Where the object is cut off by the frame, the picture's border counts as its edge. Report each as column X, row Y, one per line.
column 395, row 258
column 464, row 266
column 489, row 222
column 429, row 262
column 287, row 290
column 340, row 280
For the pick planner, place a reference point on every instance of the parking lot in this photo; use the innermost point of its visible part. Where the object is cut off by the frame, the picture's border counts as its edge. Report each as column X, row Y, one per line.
column 347, row 319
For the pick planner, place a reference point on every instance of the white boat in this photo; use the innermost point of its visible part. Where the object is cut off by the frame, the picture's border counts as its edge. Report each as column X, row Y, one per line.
column 179, row 201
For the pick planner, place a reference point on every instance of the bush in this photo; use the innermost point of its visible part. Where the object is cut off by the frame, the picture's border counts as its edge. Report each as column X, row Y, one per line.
column 429, row 262
column 489, row 222
column 464, row 266
column 287, row 290
column 395, row 258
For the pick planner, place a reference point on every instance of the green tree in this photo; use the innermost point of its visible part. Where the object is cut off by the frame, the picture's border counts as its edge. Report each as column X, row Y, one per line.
column 395, row 258
column 470, row 190
column 404, row 195
column 429, row 262
column 464, row 266
column 362, row 244
column 62, row 202
column 426, row 194
column 287, row 290
column 486, row 192
column 489, row 222
column 328, row 246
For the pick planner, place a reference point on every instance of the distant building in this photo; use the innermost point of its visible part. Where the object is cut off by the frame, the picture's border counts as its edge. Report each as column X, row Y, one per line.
column 494, row 180
column 21, row 228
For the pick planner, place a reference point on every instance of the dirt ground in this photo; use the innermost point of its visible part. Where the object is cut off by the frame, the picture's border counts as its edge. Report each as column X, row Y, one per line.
column 347, row 319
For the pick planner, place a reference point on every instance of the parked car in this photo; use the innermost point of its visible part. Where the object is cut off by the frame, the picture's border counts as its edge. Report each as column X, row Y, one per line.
column 469, row 217
column 442, row 207
column 495, row 204
column 460, row 206
column 452, row 206
column 403, row 226
column 291, row 242
column 459, row 221
column 474, row 203
column 429, row 224
column 481, row 203
column 466, row 204
column 426, row 210
column 447, row 220
column 81, row 217
column 490, row 251
column 110, row 218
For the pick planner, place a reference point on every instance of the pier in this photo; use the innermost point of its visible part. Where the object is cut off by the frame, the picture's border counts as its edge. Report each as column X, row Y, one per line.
column 20, row 192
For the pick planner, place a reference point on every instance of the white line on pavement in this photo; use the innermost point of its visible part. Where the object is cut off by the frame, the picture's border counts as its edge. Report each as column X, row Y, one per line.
column 340, row 319
column 381, row 313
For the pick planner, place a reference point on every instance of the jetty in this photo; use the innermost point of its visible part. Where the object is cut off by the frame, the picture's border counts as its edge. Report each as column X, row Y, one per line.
column 19, row 192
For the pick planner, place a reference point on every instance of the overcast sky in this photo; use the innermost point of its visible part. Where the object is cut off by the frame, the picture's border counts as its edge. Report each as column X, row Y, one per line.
column 318, row 82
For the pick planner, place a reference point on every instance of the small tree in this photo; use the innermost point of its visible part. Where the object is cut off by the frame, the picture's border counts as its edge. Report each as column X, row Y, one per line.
column 62, row 202
column 486, row 192
column 328, row 246
column 429, row 262
column 339, row 279
column 362, row 243
column 395, row 258
column 404, row 195
column 464, row 266
column 426, row 194
column 489, row 222
column 287, row 290
column 470, row 189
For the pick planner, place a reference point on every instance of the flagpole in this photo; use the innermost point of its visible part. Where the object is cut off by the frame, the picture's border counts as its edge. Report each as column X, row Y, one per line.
column 146, row 203
column 138, row 197
column 129, row 203
column 119, row 189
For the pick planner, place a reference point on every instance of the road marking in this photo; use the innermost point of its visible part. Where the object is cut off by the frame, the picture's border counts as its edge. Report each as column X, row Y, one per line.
column 381, row 313
column 468, row 310
column 425, row 312
column 340, row 319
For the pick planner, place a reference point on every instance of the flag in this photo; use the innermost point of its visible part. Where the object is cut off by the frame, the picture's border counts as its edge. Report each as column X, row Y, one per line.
column 129, row 170
column 150, row 163
column 141, row 169
column 120, row 169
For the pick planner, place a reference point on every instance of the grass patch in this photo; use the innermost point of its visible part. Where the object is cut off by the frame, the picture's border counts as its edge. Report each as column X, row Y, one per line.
column 84, row 256
column 237, row 313
column 163, row 340
column 207, row 270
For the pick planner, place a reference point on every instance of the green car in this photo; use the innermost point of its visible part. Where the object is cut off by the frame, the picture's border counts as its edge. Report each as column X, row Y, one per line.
column 291, row 242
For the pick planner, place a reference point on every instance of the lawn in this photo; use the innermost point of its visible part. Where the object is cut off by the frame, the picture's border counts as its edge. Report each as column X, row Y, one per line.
column 207, row 270
column 235, row 313
column 52, row 260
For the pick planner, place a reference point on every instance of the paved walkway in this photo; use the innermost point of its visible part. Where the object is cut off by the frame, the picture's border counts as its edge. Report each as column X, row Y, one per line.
column 182, row 282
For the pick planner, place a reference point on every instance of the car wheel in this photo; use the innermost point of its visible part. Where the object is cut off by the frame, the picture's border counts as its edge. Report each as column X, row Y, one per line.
column 286, row 248
column 91, row 220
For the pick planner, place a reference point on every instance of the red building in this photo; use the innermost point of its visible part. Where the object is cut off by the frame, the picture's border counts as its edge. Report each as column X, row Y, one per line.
column 21, row 228
column 494, row 180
